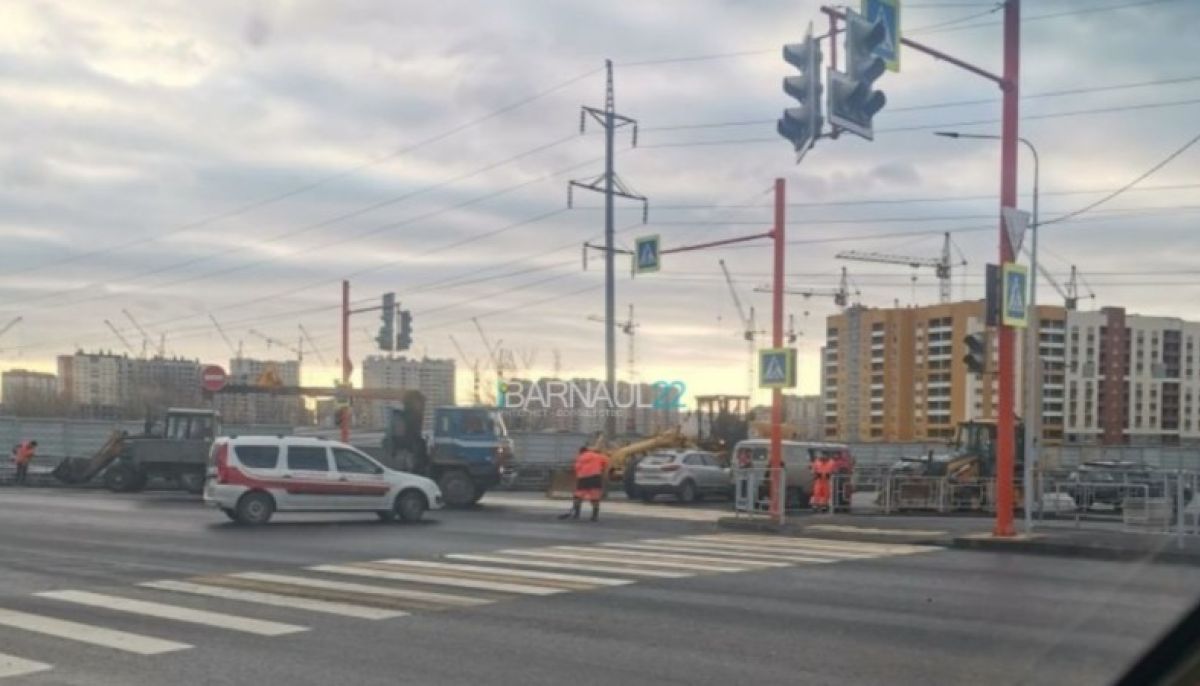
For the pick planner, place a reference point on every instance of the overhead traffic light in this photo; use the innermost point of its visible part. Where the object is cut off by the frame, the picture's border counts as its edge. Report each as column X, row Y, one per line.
column 853, row 101
column 976, row 357
column 802, row 125
column 404, row 338
column 387, row 326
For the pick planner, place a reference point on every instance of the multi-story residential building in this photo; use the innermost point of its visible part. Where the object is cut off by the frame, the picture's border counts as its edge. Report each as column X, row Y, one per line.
column 433, row 378
column 805, row 413
column 91, row 380
column 898, row 374
column 27, row 392
column 106, row 385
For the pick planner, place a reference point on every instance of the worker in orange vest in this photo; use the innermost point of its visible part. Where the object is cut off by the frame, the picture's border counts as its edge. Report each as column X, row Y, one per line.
column 822, row 469
column 589, row 482
column 22, row 456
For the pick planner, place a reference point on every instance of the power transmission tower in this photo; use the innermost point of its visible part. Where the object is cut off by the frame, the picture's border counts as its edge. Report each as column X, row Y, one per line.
column 611, row 186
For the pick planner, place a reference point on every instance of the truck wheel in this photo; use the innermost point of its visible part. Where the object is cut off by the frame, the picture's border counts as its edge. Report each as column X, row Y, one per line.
column 122, row 479
column 192, row 482
column 410, row 506
column 687, row 492
column 255, row 508
column 457, row 488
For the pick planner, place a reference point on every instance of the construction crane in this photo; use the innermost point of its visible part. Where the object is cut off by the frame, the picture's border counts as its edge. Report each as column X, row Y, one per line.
column 841, row 294
column 11, row 323
column 749, row 329
column 1069, row 292
column 495, row 353
column 236, row 352
column 627, row 327
column 145, row 336
column 311, row 344
column 473, row 363
column 299, row 351
column 117, row 333
column 942, row 265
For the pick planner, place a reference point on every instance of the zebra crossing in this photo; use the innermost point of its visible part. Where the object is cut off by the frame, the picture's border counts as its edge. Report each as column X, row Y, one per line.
column 394, row 588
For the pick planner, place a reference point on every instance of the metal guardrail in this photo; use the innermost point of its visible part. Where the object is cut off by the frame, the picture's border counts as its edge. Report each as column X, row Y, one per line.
column 752, row 492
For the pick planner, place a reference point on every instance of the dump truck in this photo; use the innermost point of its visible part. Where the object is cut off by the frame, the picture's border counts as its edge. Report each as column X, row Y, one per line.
column 467, row 452
column 176, row 451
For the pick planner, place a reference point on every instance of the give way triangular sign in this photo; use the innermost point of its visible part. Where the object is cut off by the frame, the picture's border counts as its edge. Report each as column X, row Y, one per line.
column 1015, row 223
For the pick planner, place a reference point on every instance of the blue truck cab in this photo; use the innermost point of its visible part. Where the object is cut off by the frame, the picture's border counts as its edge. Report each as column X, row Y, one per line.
column 467, row 450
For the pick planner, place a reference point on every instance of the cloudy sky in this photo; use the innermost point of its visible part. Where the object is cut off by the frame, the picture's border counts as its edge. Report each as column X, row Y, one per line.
column 238, row 158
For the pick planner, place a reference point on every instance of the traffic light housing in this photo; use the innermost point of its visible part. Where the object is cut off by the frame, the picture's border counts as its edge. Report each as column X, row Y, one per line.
column 977, row 354
column 802, row 124
column 404, row 338
column 387, row 326
column 853, row 101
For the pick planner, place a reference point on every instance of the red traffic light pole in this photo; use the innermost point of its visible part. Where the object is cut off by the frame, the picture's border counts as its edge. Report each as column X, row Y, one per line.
column 1005, row 420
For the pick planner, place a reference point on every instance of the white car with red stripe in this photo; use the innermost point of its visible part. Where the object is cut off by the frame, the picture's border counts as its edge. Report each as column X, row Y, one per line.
column 252, row 477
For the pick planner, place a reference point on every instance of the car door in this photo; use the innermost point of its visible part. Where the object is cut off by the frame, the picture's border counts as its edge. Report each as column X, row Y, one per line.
column 361, row 483
column 310, row 485
column 720, row 479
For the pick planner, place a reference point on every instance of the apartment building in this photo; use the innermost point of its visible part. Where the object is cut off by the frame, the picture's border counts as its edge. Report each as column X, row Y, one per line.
column 262, row 408
column 28, row 392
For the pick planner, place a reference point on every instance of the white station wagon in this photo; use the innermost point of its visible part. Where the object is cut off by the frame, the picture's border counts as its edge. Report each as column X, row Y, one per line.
column 252, row 477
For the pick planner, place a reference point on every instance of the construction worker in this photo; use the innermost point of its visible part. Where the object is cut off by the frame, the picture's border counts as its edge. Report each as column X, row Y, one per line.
column 22, row 456
column 822, row 469
column 589, row 482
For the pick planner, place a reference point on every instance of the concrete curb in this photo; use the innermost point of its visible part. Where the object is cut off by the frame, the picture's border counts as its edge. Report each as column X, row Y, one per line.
column 806, row 530
column 1047, row 545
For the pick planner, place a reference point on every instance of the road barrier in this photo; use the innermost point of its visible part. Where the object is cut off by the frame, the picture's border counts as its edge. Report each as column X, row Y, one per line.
column 752, row 492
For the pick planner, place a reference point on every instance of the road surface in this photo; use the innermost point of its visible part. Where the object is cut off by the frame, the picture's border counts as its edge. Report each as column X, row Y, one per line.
column 129, row 590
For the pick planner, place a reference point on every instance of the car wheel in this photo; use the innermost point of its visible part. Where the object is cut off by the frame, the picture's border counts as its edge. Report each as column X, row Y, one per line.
column 457, row 489
column 386, row 516
column 411, row 506
column 230, row 513
column 687, row 492
column 192, row 482
column 255, row 508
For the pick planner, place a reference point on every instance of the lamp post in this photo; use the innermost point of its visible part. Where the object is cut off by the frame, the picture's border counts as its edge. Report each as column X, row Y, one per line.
column 1033, row 396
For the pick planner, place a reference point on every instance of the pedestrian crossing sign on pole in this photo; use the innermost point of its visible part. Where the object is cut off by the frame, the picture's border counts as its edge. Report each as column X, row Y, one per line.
column 1015, row 301
column 646, row 254
column 777, row 368
column 889, row 12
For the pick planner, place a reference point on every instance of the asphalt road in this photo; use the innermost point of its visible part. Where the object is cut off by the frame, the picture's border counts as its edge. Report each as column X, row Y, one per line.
column 505, row 594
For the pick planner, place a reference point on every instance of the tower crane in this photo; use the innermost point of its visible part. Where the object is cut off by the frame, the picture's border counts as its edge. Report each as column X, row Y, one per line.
column 942, row 264
column 1070, row 291
column 841, row 294
column 749, row 329
column 299, row 351
column 311, row 344
column 145, row 336
column 11, row 323
column 474, row 365
column 236, row 352
column 495, row 353
column 629, row 328
column 120, row 337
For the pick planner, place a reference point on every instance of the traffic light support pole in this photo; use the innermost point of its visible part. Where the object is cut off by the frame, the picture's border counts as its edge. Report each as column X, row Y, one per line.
column 776, row 455
column 344, row 417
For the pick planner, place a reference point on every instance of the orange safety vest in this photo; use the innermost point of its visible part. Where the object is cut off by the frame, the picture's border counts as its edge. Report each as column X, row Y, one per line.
column 24, row 453
column 590, row 463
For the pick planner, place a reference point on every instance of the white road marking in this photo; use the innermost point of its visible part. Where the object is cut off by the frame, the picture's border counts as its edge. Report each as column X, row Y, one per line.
column 615, row 557
column 174, row 612
column 275, row 599
column 15, row 666
column 708, row 550
column 504, row 571
column 86, row 633
column 789, row 542
column 503, row 587
column 750, row 548
column 366, row 589
column 682, row 555
column 547, row 564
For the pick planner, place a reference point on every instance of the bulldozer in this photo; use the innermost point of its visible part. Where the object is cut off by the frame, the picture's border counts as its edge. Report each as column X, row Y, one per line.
column 622, row 462
column 960, row 473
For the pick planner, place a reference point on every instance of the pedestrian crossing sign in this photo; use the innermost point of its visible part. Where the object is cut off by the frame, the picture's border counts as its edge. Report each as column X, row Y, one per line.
column 1015, row 302
column 646, row 254
column 777, row 368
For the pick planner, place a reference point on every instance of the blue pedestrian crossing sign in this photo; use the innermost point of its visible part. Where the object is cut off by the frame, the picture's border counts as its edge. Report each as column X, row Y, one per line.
column 889, row 47
column 1015, row 301
column 777, row 368
column 646, row 256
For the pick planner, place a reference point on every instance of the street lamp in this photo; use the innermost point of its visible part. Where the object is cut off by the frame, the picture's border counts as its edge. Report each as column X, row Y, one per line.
column 1033, row 397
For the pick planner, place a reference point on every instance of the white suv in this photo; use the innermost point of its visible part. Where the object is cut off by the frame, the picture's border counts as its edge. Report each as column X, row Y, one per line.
column 252, row 477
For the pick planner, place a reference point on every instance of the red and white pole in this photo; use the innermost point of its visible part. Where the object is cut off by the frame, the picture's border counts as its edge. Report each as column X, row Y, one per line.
column 1005, row 439
column 344, row 413
column 776, row 454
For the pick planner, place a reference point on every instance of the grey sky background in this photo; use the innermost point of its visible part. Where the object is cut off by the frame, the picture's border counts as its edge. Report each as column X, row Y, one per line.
column 138, row 133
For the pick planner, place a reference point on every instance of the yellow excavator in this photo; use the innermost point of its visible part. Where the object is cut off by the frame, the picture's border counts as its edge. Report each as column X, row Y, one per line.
column 622, row 462
column 963, row 470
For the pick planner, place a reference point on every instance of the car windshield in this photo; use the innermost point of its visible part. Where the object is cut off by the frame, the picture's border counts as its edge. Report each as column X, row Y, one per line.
column 707, row 342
